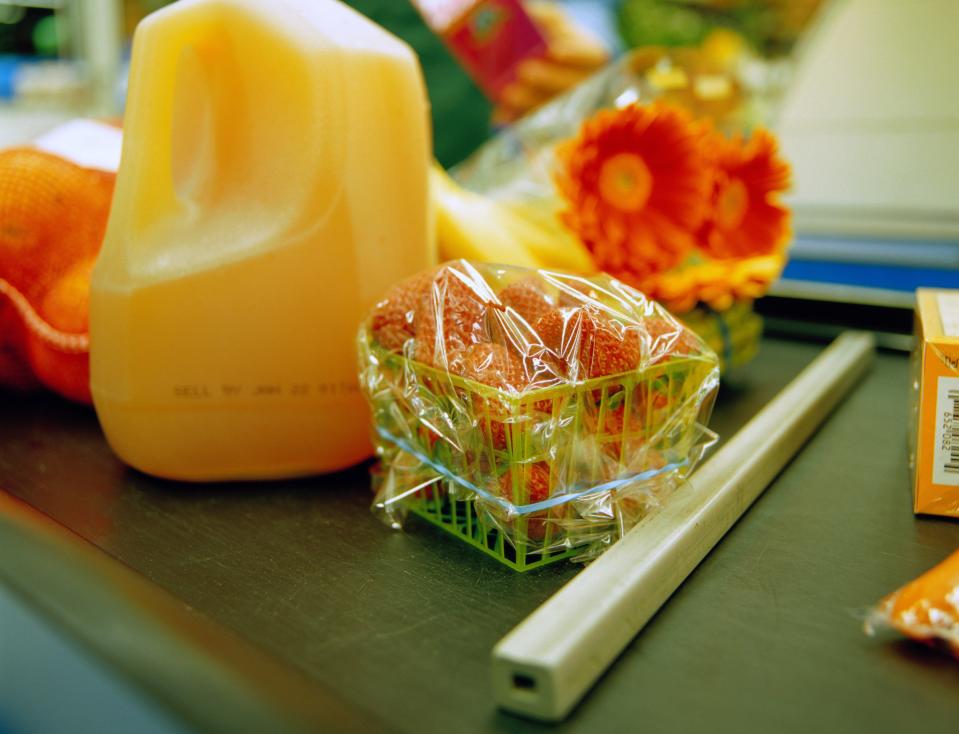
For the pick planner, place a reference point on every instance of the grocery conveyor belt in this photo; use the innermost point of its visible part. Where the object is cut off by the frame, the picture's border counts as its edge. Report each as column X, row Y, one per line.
column 290, row 592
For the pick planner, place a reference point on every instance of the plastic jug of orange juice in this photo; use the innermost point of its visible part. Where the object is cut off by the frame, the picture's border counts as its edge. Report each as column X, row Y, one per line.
column 273, row 183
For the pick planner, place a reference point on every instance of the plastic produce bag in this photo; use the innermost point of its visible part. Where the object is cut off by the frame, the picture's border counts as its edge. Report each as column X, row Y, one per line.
column 533, row 414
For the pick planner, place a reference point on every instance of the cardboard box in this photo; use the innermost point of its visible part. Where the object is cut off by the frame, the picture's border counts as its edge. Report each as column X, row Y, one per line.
column 934, row 424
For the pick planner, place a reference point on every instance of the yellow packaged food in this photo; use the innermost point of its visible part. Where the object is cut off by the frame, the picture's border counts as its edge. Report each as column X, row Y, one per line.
column 934, row 424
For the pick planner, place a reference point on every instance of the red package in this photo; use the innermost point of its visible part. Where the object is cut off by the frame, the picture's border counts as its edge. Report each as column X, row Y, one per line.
column 488, row 37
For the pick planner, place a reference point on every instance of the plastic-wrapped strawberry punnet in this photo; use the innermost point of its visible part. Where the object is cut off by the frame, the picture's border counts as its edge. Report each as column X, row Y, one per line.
column 533, row 414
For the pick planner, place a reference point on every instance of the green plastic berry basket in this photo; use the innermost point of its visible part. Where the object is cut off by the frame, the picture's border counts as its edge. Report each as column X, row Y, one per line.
column 492, row 452
column 461, row 519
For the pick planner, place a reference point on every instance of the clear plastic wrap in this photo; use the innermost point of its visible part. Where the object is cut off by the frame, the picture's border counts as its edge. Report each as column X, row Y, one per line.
column 533, row 414
column 925, row 609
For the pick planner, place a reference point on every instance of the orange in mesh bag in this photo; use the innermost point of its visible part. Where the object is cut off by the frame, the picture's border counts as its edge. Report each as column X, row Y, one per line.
column 53, row 214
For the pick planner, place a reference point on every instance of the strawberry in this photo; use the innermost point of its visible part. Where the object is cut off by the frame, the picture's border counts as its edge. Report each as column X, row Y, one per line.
column 392, row 320
column 533, row 420
column 448, row 317
column 592, row 344
column 617, row 422
column 537, row 490
column 564, row 331
column 492, row 364
column 537, row 485
column 668, row 337
column 496, row 432
column 527, row 298
column 497, row 366
column 615, row 349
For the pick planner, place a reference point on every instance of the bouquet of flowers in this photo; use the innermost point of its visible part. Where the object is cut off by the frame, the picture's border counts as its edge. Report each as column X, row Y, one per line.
column 648, row 168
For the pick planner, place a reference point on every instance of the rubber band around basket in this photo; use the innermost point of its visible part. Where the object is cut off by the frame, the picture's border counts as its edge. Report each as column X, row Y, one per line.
column 536, row 506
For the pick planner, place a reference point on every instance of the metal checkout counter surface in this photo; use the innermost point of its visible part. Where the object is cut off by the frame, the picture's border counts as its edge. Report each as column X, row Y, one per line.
column 287, row 605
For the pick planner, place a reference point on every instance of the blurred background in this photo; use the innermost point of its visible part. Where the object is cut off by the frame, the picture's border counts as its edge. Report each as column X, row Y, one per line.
column 860, row 93
column 63, row 58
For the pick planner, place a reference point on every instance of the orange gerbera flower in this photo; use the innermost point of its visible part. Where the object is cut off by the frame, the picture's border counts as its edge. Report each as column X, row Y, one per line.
column 717, row 283
column 636, row 184
column 747, row 218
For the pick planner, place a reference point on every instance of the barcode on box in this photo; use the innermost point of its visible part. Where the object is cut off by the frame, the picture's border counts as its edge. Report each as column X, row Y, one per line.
column 945, row 469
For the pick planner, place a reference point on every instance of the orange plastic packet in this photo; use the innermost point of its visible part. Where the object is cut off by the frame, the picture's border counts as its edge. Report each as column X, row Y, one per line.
column 925, row 609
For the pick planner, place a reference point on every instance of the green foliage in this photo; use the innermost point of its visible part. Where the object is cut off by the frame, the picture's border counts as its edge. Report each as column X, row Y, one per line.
column 658, row 23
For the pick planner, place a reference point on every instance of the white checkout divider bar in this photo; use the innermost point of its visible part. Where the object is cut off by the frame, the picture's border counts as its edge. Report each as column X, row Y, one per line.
column 548, row 663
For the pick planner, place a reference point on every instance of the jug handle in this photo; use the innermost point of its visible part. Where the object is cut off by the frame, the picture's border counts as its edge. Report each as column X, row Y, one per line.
column 147, row 160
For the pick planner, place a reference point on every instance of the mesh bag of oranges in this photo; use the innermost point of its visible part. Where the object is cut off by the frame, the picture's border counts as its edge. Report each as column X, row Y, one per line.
column 534, row 415
column 53, row 213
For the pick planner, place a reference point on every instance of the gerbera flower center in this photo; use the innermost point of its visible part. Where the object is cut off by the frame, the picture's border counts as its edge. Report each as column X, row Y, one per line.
column 625, row 182
column 732, row 205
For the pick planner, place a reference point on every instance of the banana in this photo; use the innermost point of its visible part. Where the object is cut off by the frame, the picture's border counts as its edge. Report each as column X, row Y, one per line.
column 475, row 227
column 471, row 226
column 548, row 240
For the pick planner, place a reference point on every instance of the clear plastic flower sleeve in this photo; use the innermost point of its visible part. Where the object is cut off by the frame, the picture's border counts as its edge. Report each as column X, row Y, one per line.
column 533, row 414
column 654, row 170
